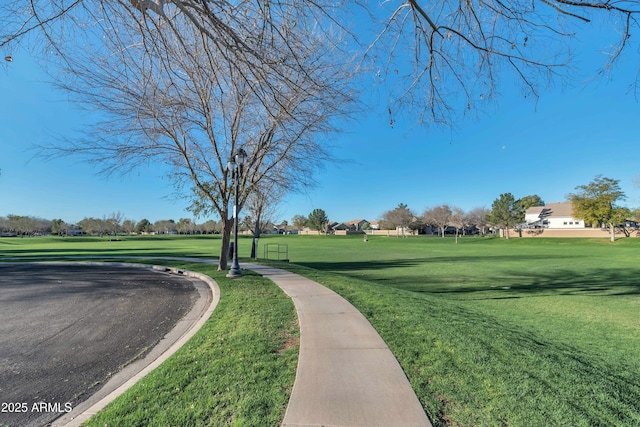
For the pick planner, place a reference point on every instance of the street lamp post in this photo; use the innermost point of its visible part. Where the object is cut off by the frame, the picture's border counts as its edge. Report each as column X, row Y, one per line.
column 236, row 164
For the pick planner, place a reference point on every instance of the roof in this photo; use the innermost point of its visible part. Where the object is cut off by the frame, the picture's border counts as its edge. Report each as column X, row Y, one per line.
column 561, row 209
column 356, row 221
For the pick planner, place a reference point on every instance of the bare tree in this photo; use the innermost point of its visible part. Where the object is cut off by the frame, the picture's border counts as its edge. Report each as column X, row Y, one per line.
column 113, row 222
column 458, row 219
column 299, row 221
column 128, row 226
column 262, row 204
column 440, row 216
column 400, row 217
column 261, row 41
column 21, row 225
column 478, row 217
column 172, row 95
column 459, row 52
column 439, row 59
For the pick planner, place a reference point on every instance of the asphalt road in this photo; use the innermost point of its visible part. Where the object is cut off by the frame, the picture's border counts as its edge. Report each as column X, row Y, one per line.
column 65, row 329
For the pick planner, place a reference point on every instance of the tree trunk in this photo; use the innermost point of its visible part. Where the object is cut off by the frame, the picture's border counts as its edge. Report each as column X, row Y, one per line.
column 256, row 236
column 227, row 229
column 613, row 232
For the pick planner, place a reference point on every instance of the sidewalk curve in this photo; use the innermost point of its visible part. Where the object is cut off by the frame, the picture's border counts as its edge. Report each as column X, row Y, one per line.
column 346, row 375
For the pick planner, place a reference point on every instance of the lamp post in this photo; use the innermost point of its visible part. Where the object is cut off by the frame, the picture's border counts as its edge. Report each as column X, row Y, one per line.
column 236, row 164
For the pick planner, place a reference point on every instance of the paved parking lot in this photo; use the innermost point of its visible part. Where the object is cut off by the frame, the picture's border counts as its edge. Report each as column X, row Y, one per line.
column 65, row 329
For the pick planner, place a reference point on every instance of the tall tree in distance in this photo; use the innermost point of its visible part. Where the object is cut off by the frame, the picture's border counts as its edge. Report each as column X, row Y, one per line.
column 318, row 220
column 527, row 202
column 596, row 203
column 144, row 226
column 299, row 221
column 505, row 212
column 400, row 217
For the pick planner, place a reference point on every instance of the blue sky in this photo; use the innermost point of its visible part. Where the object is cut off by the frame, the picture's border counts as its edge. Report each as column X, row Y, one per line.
column 547, row 148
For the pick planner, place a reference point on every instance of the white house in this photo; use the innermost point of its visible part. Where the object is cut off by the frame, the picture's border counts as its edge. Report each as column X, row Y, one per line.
column 553, row 215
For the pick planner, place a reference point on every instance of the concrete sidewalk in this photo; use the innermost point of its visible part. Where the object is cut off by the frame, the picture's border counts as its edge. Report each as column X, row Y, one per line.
column 346, row 376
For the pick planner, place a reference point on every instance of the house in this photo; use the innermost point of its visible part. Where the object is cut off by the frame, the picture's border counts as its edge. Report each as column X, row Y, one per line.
column 338, row 226
column 374, row 225
column 357, row 224
column 552, row 215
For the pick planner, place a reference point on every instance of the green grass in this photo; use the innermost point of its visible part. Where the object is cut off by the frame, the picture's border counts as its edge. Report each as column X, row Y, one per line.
column 496, row 332
column 523, row 332
column 237, row 370
column 144, row 246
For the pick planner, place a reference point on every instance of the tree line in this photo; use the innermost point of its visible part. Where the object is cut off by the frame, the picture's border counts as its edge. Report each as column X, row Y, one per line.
column 117, row 224
column 596, row 203
column 108, row 225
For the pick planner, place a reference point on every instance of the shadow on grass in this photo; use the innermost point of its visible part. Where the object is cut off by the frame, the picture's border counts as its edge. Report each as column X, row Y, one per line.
column 412, row 262
column 106, row 251
column 594, row 282
column 504, row 284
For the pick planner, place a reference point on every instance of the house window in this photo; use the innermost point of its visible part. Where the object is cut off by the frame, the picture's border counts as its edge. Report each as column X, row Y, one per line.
column 565, row 223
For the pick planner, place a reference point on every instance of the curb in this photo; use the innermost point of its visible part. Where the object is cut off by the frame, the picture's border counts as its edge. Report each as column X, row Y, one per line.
column 170, row 343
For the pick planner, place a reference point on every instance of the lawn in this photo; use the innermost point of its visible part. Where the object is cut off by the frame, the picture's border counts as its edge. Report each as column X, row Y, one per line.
column 489, row 331
column 497, row 332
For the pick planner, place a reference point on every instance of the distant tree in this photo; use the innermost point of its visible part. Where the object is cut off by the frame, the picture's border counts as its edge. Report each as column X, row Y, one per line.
column 439, row 216
column 165, row 226
column 21, row 225
column 144, row 226
column 262, row 203
column 185, row 226
column 526, row 203
column 92, row 225
column 595, row 203
column 318, row 220
column 59, row 227
column 128, row 226
column 43, row 226
column 210, row 227
column 529, row 201
column 478, row 217
column 621, row 215
column 505, row 212
column 458, row 220
column 299, row 221
column 112, row 224
column 400, row 217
